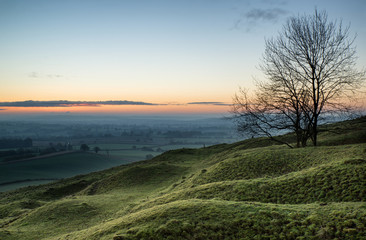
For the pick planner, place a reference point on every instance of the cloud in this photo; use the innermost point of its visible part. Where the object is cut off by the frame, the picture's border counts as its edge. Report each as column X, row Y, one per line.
column 33, row 75
column 55, row 76
column 251, row 18
column 209, row 103
column 40, row 75
column 275, row 2
column 64, row 103
column 124, row 102
column 2, row 109
column 265, row 14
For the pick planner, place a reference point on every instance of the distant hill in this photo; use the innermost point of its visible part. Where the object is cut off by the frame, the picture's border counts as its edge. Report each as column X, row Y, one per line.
column 254, row 189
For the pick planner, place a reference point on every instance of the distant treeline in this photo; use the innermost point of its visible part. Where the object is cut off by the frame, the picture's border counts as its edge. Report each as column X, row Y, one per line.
column 23, row 152
column 182, row 134
column 12, row 155
column 15, row 143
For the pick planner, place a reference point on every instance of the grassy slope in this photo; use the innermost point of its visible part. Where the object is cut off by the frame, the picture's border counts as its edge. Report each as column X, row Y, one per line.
column 249, row 190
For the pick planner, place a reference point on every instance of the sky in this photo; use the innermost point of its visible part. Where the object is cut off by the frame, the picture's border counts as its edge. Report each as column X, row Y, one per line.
column 161, row 56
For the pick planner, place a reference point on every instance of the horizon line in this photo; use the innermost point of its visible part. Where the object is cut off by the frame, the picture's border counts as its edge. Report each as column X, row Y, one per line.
column 67, row 103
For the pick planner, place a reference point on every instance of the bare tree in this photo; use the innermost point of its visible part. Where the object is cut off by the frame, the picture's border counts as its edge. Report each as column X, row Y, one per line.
column 310, row 71
column 269, row 113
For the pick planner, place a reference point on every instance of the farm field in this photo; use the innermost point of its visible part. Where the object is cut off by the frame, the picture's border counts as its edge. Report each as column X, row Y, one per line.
column 47, row 169
column 48, row 151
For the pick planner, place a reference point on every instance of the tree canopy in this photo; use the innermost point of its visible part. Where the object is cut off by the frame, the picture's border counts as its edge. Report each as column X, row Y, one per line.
column 84, row 147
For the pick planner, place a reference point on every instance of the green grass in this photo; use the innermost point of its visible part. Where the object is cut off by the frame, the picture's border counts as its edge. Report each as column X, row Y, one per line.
column 127, row 153
column 274, row 161
column 130, row 155
column 253, row 189
column 202, row 219
column 213, row 219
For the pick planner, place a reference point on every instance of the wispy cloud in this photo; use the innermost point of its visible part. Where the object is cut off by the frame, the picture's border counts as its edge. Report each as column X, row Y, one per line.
column 55, row 76
column 275, row 2
column 64, row 103
column 209, row 103
column 33, row 75
column 265, row 14
column 41, row 75
column 251, row 18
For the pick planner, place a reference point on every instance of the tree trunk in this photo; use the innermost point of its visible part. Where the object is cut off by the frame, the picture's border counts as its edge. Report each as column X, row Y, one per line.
column 315, row 130
column 304, row 141
column 298, row 139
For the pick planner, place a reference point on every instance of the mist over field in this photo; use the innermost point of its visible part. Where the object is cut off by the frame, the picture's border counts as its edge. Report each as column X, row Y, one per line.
column 42, row 148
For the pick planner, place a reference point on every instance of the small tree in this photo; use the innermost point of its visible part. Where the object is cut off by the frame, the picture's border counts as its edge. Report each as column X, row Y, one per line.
column 84, row 147
column 96, row 149
column 310, row 68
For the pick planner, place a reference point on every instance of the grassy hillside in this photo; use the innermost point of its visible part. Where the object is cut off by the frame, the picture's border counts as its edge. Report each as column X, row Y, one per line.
column 252, row 189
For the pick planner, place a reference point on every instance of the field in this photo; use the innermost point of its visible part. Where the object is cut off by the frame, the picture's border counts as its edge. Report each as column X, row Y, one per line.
column 48, row 146
column 48, row 168
column 136, row 151
column 253, row 189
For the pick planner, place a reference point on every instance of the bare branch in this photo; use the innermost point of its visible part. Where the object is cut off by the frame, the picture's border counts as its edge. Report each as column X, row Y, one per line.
column 310, row 69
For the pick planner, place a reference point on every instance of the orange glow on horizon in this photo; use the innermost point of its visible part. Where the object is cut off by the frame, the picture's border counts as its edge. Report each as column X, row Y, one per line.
column 115, row 109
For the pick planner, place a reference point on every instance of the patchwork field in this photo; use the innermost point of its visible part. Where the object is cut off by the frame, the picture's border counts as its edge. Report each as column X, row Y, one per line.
column 55, row 166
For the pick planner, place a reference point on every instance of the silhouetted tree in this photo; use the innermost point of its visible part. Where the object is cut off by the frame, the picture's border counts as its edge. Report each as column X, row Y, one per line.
column 311, row 71
column 84, row 147
column 96, row 149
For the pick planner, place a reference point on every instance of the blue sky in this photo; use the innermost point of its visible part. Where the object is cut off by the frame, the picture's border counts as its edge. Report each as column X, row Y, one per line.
column 151, row 51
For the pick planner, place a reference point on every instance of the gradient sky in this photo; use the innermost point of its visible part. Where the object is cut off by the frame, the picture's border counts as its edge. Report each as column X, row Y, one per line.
column 165, row 52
